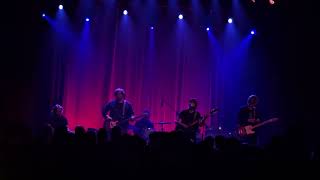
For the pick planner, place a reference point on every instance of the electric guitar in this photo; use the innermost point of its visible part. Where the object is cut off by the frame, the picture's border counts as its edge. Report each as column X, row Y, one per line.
column 111, row 123
column 249, row 129
column 193, row 126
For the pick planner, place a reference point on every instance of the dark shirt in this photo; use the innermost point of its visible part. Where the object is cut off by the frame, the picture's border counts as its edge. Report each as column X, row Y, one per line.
column 58, row 121
column 115, row 110
column 188, row 118
column 142, row 125
column 247, row 113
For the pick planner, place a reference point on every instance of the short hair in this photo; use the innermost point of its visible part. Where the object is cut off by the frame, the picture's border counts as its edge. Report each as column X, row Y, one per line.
column 119, row 90
column 252, row 97
column 56, row 107
column 194, row 100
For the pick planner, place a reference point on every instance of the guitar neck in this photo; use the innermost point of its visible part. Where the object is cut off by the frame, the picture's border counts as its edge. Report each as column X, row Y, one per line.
column 208, row 114
column 131, row 118
column 263, row 123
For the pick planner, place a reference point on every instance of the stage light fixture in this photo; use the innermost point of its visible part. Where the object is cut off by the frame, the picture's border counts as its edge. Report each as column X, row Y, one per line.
column 125, row 12
column 230, row 20
column 180, row 16
column 60, row 7
column 271, row 2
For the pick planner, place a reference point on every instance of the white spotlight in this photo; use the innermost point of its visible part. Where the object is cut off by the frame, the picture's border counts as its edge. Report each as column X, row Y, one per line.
column 125, row 12
column 271, row 2
column 60, row 7
column 230, row 20
column 180, row 16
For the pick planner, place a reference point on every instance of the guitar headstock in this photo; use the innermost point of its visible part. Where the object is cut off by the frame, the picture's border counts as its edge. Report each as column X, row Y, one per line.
column 273, row 119
column 214, row 110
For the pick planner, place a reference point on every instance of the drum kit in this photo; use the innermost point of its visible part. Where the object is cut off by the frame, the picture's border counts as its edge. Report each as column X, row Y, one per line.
column 146, row 132
column 161, row 123
column 203, row 132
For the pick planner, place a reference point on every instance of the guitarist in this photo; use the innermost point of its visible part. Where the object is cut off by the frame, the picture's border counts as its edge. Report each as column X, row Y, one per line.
column 119, row 110
column 248, row 115
column 189, row 119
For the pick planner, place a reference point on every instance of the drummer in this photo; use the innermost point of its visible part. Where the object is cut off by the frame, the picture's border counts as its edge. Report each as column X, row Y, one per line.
column 144, row 125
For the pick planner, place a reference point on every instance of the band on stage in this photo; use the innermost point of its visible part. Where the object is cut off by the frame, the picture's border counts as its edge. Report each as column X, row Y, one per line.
column 118, row 115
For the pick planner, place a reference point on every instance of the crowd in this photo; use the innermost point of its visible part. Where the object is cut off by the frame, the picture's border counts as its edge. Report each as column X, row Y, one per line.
column 61, row 153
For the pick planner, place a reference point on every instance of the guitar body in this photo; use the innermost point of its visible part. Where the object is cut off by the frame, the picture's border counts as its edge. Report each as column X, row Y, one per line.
column 246, row 131
column 115, row 123
column 110, row 124
column 249, row 129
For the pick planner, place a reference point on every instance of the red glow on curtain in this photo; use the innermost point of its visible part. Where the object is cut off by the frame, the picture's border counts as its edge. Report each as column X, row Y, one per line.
column 159, row 72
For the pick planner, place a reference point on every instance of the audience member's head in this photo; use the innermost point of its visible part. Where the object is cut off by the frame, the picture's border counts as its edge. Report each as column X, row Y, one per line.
column 91, row 136
column 80, row 135
column 57, row 110
column 220, row 142
column 209, row 141
column 115, row 134
column 60, row 135
column 47, row 134
column 102, row 136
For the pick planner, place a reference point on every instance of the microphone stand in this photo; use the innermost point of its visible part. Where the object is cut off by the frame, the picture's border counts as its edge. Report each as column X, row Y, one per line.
column 162, row 103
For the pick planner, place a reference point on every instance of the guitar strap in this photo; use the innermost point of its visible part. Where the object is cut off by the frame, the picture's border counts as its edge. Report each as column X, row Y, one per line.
column 123, row 108
column 195, row 116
